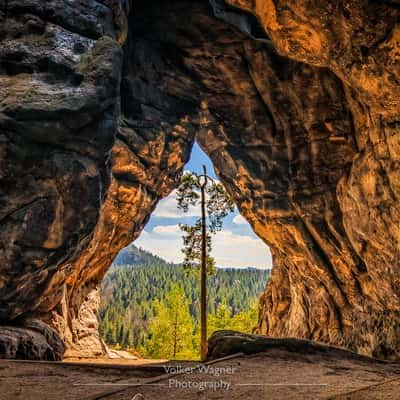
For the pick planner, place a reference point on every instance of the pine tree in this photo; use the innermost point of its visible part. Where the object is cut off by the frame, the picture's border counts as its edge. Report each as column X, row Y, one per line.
column 221, row 319
column 171, row 330
column 215, row 204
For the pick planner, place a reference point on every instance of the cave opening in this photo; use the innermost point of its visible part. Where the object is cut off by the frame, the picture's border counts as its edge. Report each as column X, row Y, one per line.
column 147, row 292
column 297, row 106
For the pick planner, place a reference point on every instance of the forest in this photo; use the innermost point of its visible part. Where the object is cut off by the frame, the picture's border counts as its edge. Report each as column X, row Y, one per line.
column 151, row 307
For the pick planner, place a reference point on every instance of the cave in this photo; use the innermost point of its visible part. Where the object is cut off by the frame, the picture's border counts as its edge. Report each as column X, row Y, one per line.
column 296, row 104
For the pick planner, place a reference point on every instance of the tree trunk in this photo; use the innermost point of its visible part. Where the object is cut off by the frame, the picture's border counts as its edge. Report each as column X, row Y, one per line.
column 175, row 334
column 203, row 274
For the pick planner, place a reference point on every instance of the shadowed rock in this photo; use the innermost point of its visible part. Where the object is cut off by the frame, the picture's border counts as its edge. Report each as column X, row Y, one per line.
column 224, row 343
column 34, row 340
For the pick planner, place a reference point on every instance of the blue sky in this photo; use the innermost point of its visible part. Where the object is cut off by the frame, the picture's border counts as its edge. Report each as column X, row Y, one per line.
column 235, row 246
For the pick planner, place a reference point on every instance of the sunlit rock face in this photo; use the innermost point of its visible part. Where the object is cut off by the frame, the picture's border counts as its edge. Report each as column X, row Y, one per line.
column 295, row 102
column 290, row 139
column 350, row 296
column 146, row 159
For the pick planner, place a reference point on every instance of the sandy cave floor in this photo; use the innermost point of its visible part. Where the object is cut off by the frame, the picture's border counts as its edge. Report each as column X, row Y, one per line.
column 275, row 374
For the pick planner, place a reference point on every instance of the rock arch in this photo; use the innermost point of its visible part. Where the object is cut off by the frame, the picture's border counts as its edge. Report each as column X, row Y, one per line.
column 301, row 124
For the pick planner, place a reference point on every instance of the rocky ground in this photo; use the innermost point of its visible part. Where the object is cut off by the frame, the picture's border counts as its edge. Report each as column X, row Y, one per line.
column 275, row 374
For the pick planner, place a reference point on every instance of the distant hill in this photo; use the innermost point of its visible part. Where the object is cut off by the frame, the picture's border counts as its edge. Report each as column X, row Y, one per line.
column 132, row 255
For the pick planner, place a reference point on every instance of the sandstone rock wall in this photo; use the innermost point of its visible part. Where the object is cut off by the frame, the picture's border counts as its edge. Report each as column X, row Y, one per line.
column 60, row 70
column 359, row 42
column 82, row 168
column 296, row 103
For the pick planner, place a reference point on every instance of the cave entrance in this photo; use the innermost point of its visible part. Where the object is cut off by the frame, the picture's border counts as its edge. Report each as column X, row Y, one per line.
column 150, row 306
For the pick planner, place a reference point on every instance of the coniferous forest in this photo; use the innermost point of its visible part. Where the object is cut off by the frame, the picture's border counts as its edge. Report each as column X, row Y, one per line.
column 151, row 306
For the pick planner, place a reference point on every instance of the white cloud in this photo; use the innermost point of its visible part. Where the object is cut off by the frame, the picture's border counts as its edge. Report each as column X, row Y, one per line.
column 167, row 208
column 167, row 230
column 229, row 249
column 239, row 220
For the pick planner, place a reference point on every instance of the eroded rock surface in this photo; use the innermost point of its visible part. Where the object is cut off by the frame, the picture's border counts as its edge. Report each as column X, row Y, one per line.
column 346, row 289
column 34, row 340
column 297, row 104
column 75, row 187
column 60, row 69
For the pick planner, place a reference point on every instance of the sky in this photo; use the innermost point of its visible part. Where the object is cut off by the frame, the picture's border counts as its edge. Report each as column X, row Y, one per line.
column 235, row 246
